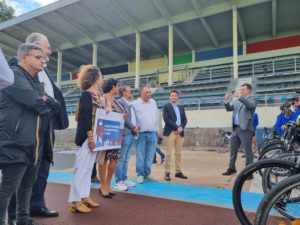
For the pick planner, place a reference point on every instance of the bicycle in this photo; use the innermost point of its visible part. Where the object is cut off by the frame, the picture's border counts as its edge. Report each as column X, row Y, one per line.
column 243, row 177
column 272, row 171
column 284, row 198
column 223, row 141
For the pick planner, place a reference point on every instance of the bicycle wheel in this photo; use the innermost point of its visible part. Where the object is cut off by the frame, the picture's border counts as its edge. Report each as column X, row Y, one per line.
column 272, row 176
column 237, row 198
column 271, row 152
column 267, row 142
column 274, row 143
column 222, row 145
column 284, row 198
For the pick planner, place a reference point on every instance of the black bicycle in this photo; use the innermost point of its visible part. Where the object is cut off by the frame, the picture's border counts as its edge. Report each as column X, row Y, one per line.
column 284, row 198
column 280, row 168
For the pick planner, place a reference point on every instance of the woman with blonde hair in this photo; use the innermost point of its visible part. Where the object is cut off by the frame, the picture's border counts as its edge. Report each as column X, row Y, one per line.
column 90, row 82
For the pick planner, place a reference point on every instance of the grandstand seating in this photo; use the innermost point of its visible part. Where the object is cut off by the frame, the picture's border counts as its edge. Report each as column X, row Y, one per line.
column 276, row 81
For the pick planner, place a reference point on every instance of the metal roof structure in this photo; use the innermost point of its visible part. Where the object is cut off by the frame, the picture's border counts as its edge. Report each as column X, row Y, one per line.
column 74, row 26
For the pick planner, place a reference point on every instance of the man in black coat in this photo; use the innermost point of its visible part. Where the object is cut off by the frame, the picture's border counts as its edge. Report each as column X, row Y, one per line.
column 59, row 121
column 24, row 122
column 175, row 122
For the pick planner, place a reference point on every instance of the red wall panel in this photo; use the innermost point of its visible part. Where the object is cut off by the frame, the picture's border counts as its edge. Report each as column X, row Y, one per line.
column 74, row 75
column 279, row 43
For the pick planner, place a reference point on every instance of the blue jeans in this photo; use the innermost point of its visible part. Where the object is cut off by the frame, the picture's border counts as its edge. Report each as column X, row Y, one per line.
column 145, row 150
column 122, row 164
column 162, row 155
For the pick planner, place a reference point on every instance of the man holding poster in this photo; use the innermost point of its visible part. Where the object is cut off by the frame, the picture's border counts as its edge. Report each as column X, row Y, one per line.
column 147, row 117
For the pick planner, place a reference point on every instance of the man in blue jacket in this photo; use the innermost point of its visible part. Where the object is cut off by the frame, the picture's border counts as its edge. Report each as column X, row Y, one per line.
column 283, row 118
column 175, row 121
column 59, row 121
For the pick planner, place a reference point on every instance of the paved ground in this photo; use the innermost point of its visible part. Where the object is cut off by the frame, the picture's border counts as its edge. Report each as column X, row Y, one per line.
column 132, row 209
column 205, row 186
column 203, row 168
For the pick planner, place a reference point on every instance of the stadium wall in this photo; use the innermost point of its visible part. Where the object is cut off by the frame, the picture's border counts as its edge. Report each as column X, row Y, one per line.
column 216, row 118
column 201, row 130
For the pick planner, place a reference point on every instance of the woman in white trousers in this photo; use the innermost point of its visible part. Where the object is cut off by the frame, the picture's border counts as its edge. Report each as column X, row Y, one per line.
column 90, row 82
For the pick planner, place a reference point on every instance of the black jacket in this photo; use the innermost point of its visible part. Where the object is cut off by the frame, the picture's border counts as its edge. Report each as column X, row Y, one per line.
column 21, row 109
column 170, row 118
column 84, row 123
column 60, row 119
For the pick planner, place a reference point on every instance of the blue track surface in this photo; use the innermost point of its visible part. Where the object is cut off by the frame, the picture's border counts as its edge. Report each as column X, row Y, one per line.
column 182, row 192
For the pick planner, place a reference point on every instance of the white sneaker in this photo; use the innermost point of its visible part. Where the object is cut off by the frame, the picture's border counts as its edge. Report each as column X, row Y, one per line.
column 140, row 179
column 149, row 178
column 129, row 183
column 120, row 186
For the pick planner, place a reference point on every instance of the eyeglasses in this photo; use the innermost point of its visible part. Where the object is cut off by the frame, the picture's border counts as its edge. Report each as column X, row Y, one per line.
column 38, row 57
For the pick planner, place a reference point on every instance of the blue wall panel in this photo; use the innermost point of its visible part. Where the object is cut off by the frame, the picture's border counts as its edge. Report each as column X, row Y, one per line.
column 65, row 76
column 217, row 53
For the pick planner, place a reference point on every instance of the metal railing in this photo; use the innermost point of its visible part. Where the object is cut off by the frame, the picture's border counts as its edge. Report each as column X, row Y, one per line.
column 218, row 102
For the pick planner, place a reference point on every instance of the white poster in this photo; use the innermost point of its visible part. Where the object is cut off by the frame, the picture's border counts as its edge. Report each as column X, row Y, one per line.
column 108, row 130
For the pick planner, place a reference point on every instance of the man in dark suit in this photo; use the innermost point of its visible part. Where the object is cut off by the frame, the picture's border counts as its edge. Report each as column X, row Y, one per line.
column 175, row 122
column 59, row 121
column 242, row 125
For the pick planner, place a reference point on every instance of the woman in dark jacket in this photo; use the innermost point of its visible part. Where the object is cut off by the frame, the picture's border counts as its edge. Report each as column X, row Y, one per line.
column 90, row 81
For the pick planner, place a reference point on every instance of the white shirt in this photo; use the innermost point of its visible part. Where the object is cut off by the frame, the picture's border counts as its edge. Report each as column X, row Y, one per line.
column 6, row 74
column 43, row 78
column 147, row 115
column 133, row 118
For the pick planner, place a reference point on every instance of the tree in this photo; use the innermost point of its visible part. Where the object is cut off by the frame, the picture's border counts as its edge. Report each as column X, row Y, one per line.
column 6, row 12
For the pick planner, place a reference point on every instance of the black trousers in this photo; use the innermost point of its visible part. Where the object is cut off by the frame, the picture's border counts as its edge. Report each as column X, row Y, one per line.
column 37, row 200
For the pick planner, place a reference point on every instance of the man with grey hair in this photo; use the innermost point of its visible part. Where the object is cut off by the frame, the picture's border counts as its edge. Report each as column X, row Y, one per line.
column 24, row 111
column 130, row 129
column 58, row 121
column 147, row 119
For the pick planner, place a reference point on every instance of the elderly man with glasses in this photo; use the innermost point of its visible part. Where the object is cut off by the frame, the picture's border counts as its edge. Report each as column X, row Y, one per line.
column 58, row 120
column 24, row 118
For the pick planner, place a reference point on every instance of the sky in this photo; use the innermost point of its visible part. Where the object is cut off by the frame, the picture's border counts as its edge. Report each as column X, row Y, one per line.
column 24, row 6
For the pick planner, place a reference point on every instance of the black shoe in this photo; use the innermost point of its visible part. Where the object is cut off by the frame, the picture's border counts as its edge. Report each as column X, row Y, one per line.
column 229, row 172
column 167, row 177
column 104, row 196
column 29, row 222
column 250, row 177
column 162, row 160
column 44, row 212
column 112, row 193
column 180, row 175
column 11, row 221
